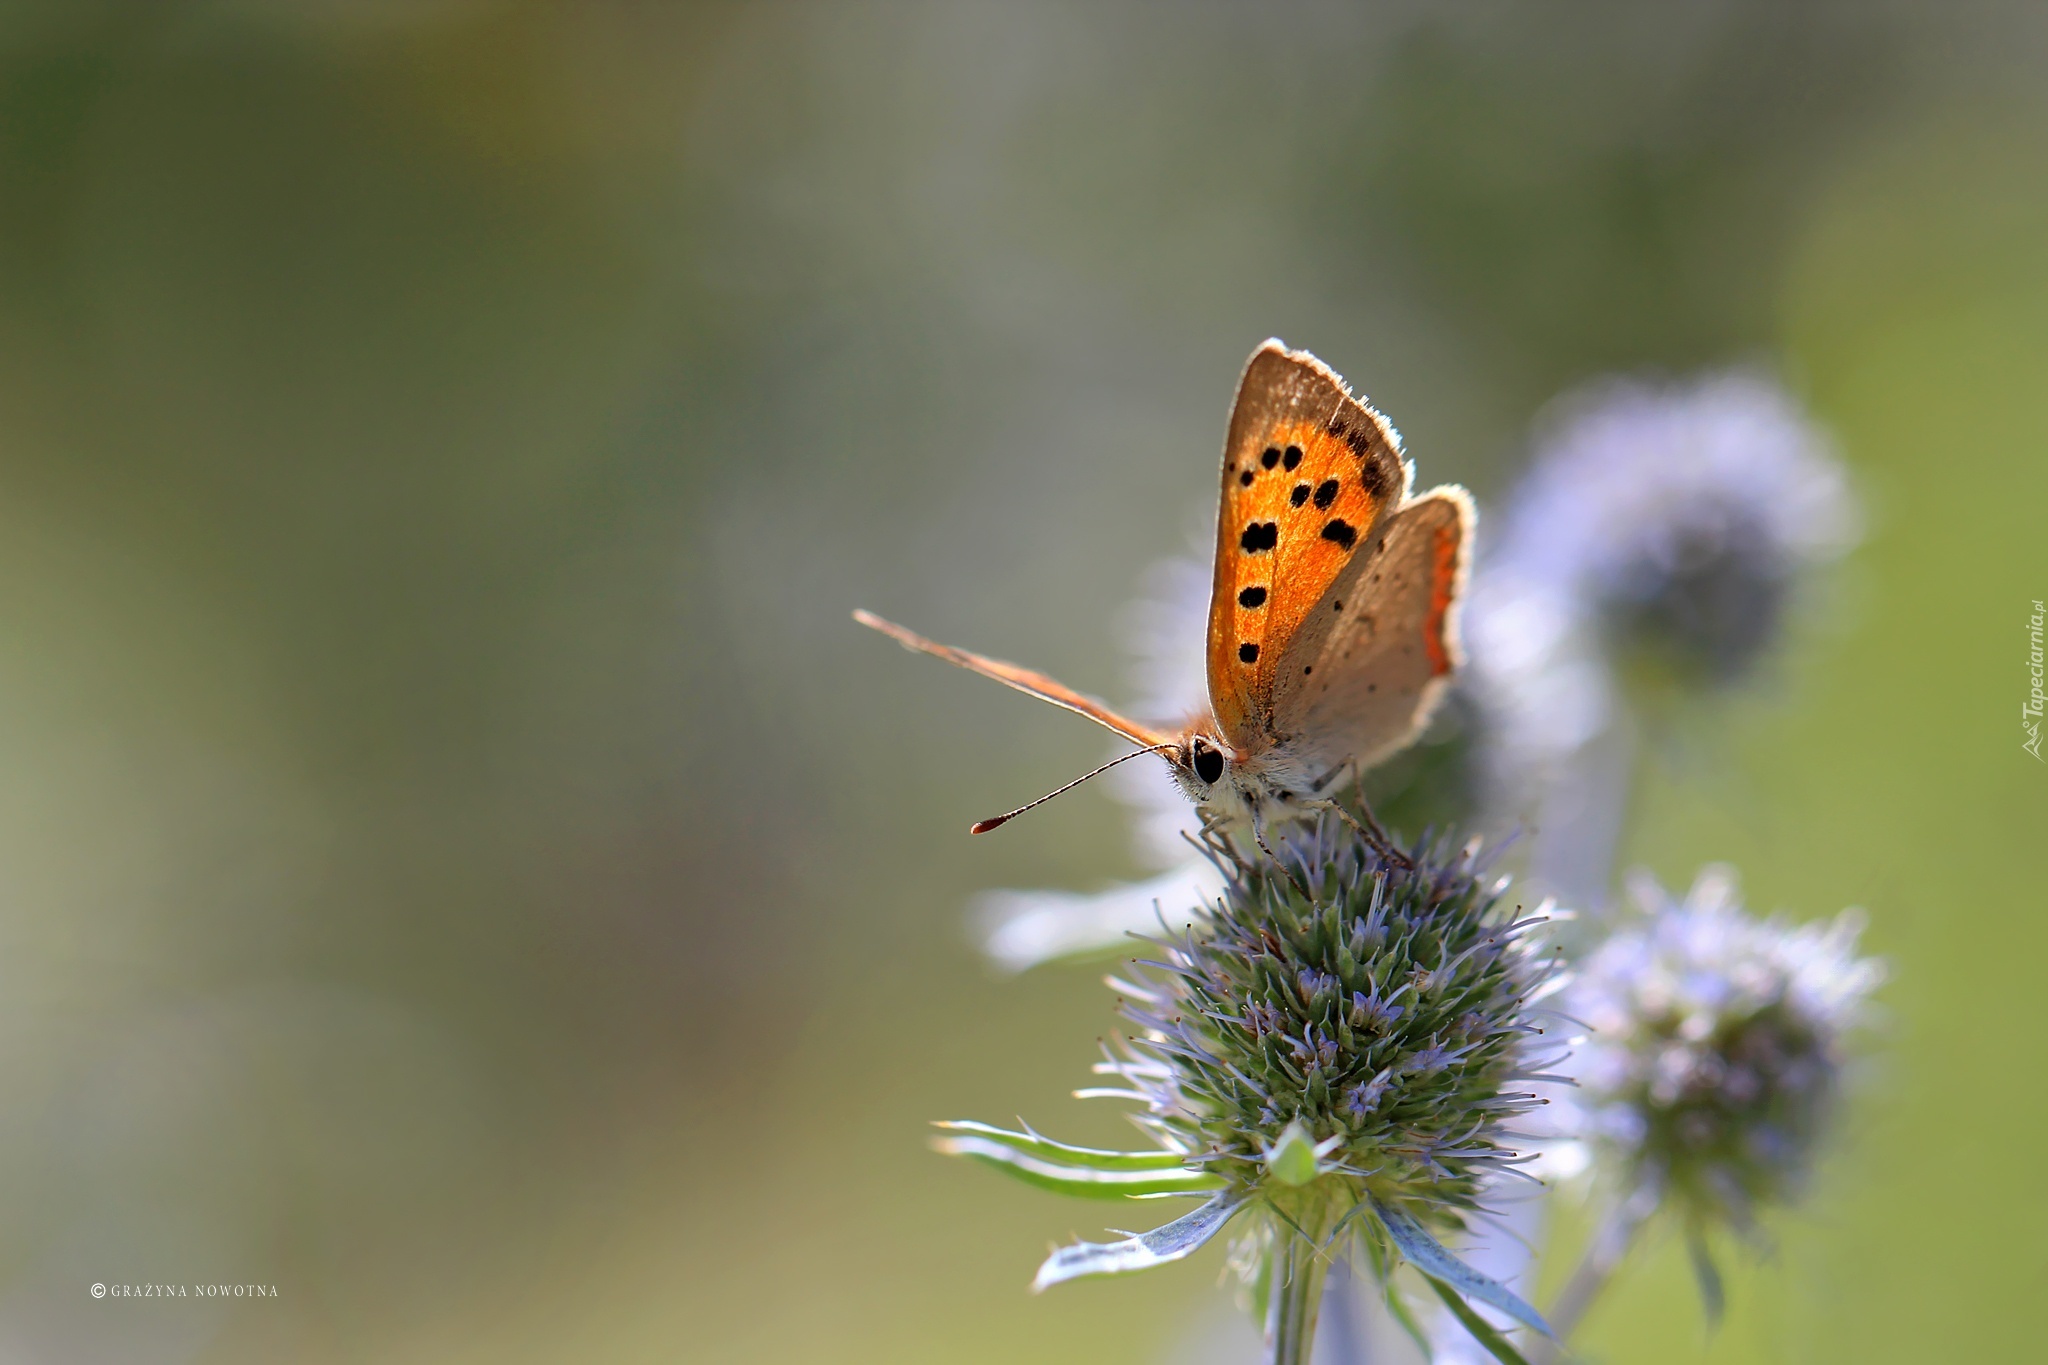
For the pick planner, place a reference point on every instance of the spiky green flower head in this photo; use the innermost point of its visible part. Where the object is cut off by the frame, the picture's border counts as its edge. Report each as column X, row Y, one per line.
column 1378, row 1015
column 1339, row 1045
column 1716, row 1049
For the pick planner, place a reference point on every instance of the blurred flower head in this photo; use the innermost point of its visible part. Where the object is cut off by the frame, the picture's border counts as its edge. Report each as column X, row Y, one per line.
column 1164, row 628
column 1716, row 1047
column 1657, row 537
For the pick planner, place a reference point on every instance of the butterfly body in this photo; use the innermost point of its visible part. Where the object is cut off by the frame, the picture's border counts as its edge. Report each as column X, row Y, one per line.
column 1333, row 613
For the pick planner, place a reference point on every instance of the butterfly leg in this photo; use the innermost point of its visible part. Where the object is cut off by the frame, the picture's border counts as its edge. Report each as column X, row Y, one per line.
column 1259, row 837
column 1381, row 839
column 1374, row 835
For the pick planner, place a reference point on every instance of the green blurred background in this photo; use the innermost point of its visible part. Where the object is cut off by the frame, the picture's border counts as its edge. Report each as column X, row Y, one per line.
column 460, row 864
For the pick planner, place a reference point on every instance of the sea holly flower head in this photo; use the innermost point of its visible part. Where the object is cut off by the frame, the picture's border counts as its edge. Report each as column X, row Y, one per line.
column 1337, row 1047
column 1716, row 1049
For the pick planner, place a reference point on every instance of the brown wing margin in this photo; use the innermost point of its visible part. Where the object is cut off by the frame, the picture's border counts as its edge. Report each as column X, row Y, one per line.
column 1025, row 680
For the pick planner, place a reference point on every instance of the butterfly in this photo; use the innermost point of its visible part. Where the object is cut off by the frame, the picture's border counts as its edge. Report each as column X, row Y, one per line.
column 1333, row 620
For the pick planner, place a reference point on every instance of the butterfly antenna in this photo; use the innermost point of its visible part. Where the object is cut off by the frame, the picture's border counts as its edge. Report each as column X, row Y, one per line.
column 984, row 826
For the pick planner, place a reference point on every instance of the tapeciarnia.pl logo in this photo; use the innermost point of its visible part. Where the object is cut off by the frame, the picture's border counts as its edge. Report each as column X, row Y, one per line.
column 2030, row 714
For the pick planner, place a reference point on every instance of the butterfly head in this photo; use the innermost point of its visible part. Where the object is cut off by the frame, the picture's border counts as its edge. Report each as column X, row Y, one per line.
column 1204, row 767
column 1239, row 787
column 1212, row 774
column 1203, row 759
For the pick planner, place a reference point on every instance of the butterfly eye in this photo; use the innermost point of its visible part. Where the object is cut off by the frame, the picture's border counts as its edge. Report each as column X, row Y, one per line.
column 1208, row 761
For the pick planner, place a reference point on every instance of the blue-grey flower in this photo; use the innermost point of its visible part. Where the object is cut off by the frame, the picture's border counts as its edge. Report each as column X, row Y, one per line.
column 1715, row 1054
column 1336, row 1047
column 1657, row 537
column 1246, row 1023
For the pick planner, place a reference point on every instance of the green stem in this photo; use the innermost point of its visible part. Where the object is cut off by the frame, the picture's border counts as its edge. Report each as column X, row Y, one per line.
column 1296, row 1294
column 1610, row 1244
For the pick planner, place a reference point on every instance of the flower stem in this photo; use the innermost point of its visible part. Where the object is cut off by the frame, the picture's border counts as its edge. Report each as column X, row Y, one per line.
column 1298, row 1271
column 1610, row 1244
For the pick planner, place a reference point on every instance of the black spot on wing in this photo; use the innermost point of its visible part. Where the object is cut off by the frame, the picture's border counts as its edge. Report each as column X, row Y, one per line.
column 1252, row 597
column 1271, row 457
column 1245, row 478
column 1339, row 530
column 1326, row 493
column 1360, row 442
column 1375, row 480
column 1292, row 458
column 1299, row 495
column 1260, row 535
column 1248, row 652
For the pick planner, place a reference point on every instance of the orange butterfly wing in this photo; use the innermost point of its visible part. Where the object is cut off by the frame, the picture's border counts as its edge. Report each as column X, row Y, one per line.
column 1025, row 680
column 1310, row 476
